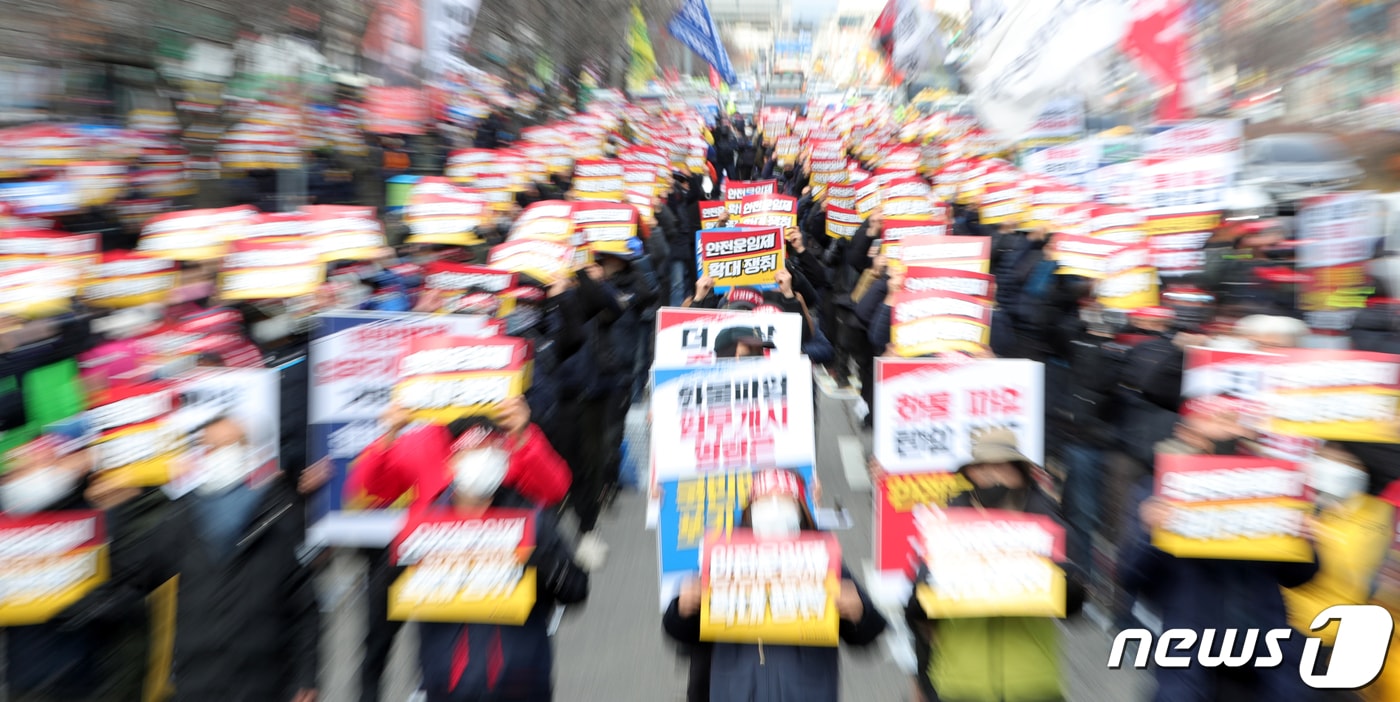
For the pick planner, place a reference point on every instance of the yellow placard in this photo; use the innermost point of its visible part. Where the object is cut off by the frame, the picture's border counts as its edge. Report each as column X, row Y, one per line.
column 510, row 610
column 24, row 608
column 931, row 335
column 1047, row 601
column 443, row 397
column 1276, row 547
column 1130, row 290
column 819, row 631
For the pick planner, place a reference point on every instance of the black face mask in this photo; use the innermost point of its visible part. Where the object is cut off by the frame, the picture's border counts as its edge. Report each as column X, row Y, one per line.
column 1225, row 447
column 996, row 496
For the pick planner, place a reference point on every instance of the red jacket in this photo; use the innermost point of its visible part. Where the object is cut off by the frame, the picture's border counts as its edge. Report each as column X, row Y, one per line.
column 415, row 465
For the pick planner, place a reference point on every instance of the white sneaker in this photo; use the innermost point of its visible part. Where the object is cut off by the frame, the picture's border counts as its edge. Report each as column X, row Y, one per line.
column 591, row 552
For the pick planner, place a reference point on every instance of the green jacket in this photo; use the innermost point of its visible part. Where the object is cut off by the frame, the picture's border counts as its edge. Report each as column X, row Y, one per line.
column 996, row 659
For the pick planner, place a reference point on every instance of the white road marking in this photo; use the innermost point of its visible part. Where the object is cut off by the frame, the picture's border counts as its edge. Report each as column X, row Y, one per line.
column 853, row 462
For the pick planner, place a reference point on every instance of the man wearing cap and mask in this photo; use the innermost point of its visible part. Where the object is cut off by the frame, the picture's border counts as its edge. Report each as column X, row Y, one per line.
column 418, row 460
column 489, row 662
column 991, row 659
column 721, row 672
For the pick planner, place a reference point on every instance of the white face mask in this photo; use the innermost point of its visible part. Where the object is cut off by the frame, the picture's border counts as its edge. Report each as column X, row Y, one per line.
column 478, row 474
column 36, row 491
column 1335, row 481
column 774, row 519
column 223, row 468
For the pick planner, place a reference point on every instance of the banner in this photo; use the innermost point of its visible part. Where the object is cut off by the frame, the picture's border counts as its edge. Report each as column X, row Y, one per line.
column 442, row 378
column 395, row 111
column 134, row 442
column 1066, row 163
column 779, row 592
column 124, row 279
column 934, row 322
column 545, row 261
column 711, row 211
column 919, row 279
column 1003, row 203
column 642, row 69
column 465, row 569
column 740, row 257
column 353, row 365
column 895, row 231
column 28, row 247
column 731, row 416
column 736, row 190
column 459, row 278
column 690, row 336
column 926, row 410
column 956, row 252
column 48, row 562
column 439, row 212
column 990, row 563
column 1333, row 395
column 194, row 235
column 842, row 222
column 1238, row 508
column 768, row 211
column 599, row 179
column 446, row 30
column 605, row 227
column 345, row 232
column 260, row 270
column 1083, row 256
column 38, row 291
column 693, row 26
column 897, row 497
column 1337, row 237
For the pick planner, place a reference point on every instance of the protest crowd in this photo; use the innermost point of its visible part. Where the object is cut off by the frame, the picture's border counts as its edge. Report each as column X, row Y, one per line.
column 1114, row 399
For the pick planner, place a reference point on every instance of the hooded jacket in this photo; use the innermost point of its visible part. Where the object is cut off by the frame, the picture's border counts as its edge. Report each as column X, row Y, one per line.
column 417, row 461
column 499, row 663
column 996, row 659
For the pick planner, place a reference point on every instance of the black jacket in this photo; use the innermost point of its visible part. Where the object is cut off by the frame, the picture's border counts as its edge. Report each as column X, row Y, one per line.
column 246, row 627
column 762, row 673
column 97, row 648
column 506, row 663
column 1377, row 329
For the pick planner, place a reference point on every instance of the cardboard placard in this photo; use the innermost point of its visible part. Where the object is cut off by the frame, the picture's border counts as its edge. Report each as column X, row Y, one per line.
column 465, row 569
column 780, row 592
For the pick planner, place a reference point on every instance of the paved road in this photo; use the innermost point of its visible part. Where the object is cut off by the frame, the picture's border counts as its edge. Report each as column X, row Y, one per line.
column 613, row 649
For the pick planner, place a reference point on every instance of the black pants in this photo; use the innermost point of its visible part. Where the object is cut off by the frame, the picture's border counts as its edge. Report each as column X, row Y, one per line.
column 379, row 630
column 593, row 460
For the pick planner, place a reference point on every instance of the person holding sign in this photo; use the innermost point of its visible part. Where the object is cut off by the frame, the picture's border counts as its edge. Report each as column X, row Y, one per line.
column 415, row 460
column 994, row 658
column 82, row 652
column 478, row 662
column 724, row 671
column 1216, row 593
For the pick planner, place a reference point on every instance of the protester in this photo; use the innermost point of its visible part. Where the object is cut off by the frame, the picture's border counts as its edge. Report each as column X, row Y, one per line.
column 991, row 659
column 480, row 662
column 247, row 624
column 765, row 673
column 416, row 461
column 1212, row 593
column 96, row 648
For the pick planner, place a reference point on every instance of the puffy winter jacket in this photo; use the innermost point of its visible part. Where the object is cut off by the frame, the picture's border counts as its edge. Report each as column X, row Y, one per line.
column 501, row 663
column 764, row 673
